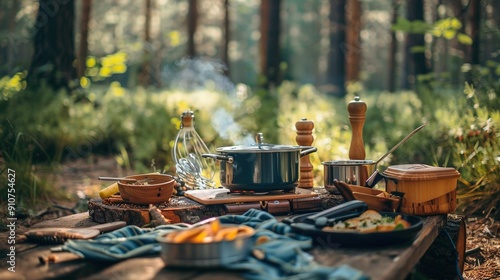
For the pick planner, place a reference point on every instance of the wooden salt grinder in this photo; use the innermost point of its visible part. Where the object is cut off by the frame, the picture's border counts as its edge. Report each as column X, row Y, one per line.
column 357, row 116
column 304, row 138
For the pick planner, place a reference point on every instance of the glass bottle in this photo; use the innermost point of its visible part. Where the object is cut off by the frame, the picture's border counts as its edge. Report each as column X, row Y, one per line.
column 196, row 171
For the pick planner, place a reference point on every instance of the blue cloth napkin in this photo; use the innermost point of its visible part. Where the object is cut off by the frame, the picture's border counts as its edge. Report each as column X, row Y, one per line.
column 282, row 256
column 124, row 243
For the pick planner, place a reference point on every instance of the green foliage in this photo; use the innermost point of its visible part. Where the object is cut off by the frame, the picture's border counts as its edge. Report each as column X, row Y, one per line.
column 12, row 85
column 17, row 150
column 101, row 68
column 447, row 28
column 139, row 126
column 476, row 150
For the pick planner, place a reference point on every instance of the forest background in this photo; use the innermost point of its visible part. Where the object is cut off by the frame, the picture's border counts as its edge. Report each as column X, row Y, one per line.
column 84, row 78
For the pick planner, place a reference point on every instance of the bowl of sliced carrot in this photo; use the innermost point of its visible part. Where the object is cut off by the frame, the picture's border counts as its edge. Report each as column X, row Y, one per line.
column 207, row 245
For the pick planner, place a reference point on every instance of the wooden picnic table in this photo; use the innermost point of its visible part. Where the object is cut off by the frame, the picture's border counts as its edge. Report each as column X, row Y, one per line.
column 388, row 262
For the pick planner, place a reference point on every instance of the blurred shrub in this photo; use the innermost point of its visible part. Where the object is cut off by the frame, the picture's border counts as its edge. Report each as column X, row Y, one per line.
column 17, row 152
column 474, row 143
column 139, row 126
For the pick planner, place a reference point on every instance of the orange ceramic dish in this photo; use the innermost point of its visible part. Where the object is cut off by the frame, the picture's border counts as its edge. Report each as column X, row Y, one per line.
column 149, row 189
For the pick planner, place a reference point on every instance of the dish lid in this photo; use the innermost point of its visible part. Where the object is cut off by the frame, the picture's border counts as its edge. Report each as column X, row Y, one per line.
column 350, row 162
column 420, row 172
column 260, row 147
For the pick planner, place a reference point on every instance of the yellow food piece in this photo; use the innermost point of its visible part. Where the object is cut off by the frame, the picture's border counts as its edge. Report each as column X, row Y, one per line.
column 210, row 232
column 109, row 191
column 226, row 234
column 187, row 235
column 201, row 237
column 215, row 226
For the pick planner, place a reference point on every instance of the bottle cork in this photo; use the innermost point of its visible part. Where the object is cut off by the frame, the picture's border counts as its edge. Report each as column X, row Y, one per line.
column 187, row 119
column 304, row 138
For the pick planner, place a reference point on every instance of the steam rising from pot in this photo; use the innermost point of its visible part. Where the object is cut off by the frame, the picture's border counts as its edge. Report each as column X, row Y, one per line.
column 191, row 74
column 228, row 129
column 196, row 74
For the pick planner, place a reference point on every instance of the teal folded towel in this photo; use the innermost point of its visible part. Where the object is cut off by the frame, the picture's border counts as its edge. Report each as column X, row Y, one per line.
column 124, row 243
column 283, row 256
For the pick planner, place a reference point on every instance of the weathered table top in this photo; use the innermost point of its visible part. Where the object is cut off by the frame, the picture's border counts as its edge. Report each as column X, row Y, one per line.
column 389, row 262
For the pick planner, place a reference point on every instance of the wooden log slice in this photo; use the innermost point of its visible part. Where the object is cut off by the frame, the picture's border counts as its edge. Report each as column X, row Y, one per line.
column 178, row 210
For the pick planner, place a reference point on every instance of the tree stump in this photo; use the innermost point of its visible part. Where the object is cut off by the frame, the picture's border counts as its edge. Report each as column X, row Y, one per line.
column 445, row 254
column 177, row 210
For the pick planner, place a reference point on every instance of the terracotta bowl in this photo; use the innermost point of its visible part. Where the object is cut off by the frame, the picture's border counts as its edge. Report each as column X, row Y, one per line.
column 149, row 189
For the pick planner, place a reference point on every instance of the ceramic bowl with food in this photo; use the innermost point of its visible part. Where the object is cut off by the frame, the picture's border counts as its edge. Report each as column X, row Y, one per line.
column 148, row 189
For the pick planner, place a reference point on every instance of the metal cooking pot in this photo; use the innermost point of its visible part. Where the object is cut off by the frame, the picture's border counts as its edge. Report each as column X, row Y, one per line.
column 260, row 167
column 352, row 172
column 358, row 172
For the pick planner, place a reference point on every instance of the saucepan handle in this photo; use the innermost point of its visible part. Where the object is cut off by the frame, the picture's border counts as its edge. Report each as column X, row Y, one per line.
column 376, row 177
column 229, row 159
column 308, row 150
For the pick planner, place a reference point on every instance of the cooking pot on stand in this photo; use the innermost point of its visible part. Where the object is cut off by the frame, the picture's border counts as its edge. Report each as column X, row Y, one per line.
column 261, row 167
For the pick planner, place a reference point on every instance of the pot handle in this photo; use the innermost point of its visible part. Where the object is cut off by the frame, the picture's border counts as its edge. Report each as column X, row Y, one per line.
column 376, row 177
column 229, row 159
column 308, row 150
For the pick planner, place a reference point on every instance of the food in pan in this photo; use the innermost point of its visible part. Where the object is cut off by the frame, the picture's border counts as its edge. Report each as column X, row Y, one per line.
column 370, row 221
column 210, row 232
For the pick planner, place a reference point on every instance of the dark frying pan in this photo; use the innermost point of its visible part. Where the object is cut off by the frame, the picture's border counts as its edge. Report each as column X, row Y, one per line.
column 303, row 224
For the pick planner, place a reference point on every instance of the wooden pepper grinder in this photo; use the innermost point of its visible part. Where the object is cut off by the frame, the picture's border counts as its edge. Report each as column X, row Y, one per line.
column 357, row 116
column 304, row 138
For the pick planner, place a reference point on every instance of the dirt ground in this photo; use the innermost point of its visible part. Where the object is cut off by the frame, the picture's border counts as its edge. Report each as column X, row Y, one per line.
column 80, row 177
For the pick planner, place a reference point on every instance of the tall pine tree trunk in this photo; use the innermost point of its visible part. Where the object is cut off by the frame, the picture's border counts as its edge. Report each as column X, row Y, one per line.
column 493, row 40
column 391, row 82
column 7, row 26
column 415, row 61
column 456, row 51
column 227, row 37
column 84, row 35
column 270, row 41
column 475, row 20
column 54, row 45
column 146, row 70
column 336, row 72
column 353, row 49
column 192, row 24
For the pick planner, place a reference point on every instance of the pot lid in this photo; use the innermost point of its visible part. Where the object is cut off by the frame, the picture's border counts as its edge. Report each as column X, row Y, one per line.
column 259, row 148
column 420, row 172
column 349, row 162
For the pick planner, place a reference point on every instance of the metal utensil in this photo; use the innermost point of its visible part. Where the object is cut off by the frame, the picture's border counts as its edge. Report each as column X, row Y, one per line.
column 189, row 170
column 375, row 177
column 117, row 179
column 400, row 143
column 126, row 180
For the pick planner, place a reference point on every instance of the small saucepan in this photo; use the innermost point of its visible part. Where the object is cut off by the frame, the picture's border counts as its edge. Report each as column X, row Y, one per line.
column 352, row 172
column 358, row 172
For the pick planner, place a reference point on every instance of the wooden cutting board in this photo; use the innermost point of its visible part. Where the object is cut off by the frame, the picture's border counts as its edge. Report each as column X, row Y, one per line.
column 223, row 196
